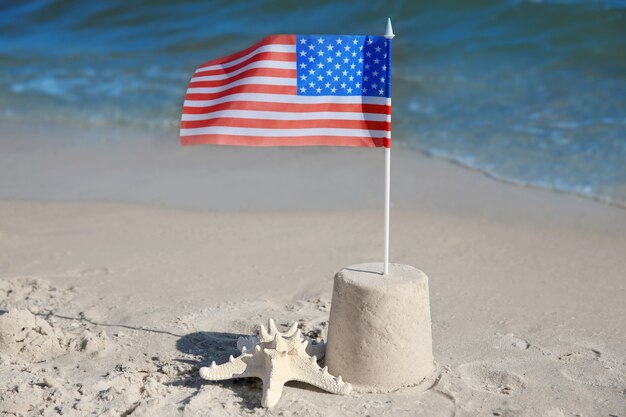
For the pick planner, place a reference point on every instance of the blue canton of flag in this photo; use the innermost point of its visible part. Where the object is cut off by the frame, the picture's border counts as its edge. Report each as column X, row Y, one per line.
column 343, row 65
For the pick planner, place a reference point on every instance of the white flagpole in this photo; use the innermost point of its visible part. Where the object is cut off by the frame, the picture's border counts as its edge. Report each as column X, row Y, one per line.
column 387, row 175
column 389, row 35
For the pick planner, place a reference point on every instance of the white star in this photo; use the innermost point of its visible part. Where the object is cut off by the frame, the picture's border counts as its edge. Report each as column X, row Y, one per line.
column 368, row 54
column 351, row 78
column 335, row 78
column 303, row 65
column 377, row 49
column 320, row 40
column 339, row 41
column 370, row 41
column 347, row 48
column 374, row 86
column 302, row 53
column 384, row 67
column 311, row 47
column 360, row 60
column 303, row 89
column 357, row 85
column 329, row 59
column 366, row 78
column 375, row 73
column 358, row 72
column 320, row 77
column 381, row 91
column 343, row 85
column 330, row 47
column 367, row 66
column 361, row 48
column 320, row 65
column 318, row 90
column 329, row 73
column 344, row 73
column 384, row 55
column 376, row 61
column 364, row 90
column 320, row 53
column 302, row 41
column 355, row 41
column 349, row 90
column 311, row 84
column 345, row 60
column 337, row 66
column 333, row 90
column 352, row 66
column 338, row 53
column 311, row 71
column 327, row 85
column 353, row 54
column 382, row 79
column 303, row 77
column 311, row 59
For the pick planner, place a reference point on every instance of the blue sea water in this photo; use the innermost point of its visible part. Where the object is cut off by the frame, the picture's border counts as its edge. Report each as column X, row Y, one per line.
column 529, row 91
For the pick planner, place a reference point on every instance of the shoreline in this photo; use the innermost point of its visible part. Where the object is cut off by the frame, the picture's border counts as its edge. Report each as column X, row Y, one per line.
column 163, row 144
column 512, row 182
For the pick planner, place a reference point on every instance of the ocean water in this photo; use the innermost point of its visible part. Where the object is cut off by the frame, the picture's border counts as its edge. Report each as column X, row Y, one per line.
column 533, row 92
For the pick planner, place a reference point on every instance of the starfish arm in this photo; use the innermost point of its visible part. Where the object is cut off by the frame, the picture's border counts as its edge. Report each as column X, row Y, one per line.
column 306, row 370
column 234, row 368
column 273, row 382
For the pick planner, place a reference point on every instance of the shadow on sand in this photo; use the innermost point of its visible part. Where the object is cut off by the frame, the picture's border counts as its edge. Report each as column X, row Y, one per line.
column 216, row 346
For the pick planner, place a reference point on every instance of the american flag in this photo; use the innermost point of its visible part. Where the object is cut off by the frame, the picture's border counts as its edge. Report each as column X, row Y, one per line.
column 293, row 90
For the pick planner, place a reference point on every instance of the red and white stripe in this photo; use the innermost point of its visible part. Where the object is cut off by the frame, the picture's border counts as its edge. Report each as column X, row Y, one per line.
column 250, row 99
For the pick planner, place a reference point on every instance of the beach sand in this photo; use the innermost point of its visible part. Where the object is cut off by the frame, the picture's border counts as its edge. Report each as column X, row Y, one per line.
column 125, row 265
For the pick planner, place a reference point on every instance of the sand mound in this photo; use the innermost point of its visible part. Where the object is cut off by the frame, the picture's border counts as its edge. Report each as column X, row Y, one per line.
column 32, row 338
column 24, row 335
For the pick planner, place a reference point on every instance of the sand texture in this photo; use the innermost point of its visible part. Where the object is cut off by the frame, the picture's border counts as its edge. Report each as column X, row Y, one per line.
column 110, row 308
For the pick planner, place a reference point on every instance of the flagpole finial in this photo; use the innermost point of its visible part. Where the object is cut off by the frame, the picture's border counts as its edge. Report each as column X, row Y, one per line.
column 389, row 32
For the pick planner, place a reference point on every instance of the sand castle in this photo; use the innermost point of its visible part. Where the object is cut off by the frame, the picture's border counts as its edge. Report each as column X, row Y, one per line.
column 379, row 335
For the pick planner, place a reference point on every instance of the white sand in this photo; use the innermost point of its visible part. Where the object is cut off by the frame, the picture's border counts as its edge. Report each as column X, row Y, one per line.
column 127, row 301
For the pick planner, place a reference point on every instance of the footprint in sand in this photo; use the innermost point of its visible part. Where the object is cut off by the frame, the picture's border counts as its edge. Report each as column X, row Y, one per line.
column 482, row 376
column 587, row 367
column 578, row 355
column 591, row 367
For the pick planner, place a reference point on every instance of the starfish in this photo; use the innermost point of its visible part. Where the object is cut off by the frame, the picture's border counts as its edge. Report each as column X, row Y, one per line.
column 277, row 358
